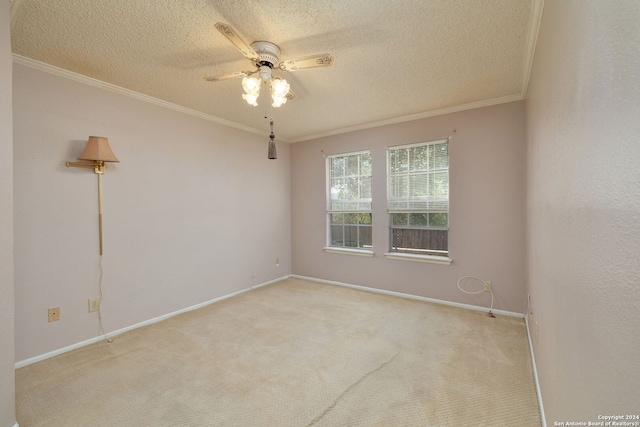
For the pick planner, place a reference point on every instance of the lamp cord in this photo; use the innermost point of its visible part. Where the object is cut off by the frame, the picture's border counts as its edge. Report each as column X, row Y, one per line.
column 490, row 314
column 109, row 340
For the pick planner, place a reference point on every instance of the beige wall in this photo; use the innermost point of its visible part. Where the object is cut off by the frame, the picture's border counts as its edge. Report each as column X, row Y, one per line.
column 583, row 208
column 7, row 389
column 487, row 183
column 194, row 211
column 173, row 210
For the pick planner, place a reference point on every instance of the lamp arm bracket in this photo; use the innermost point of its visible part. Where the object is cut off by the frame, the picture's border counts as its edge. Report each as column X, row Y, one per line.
column 97, row 166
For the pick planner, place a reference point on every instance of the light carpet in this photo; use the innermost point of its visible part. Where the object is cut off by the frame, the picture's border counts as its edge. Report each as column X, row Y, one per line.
column 294, row 353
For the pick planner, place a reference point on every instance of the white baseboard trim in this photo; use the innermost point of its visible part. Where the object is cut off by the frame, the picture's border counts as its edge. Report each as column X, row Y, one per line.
column 455, row 304
column 535, row 373
column 35, row 359
column 409, row 296
column 53, row 353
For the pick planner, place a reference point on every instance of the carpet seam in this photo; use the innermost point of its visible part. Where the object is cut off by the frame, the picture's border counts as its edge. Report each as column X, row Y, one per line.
column 335, row 402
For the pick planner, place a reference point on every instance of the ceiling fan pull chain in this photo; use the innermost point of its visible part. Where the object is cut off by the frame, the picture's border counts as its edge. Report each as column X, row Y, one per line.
column 272, row 143
column 265, row 111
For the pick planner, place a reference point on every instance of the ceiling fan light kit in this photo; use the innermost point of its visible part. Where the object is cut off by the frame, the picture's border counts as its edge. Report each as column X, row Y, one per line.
column 265, row 56
column 268, row 54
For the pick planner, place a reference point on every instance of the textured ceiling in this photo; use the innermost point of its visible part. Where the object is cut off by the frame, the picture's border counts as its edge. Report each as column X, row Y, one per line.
column 393, row 60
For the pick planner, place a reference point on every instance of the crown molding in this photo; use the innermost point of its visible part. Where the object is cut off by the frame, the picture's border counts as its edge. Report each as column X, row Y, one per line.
column 18, row 59
column 61, row 72
column 412, row 117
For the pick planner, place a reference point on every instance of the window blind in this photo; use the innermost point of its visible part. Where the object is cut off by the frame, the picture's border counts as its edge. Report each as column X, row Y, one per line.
column 419, row 177
column 350, row 182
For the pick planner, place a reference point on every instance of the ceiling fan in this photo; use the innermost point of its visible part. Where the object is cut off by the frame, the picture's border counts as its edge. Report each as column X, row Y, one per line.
column 265, row 56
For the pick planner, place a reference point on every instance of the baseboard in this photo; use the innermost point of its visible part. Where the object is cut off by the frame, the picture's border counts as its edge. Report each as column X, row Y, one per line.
column 535, row 373
column 454, row 304
column 409, row 296
column 50, row 354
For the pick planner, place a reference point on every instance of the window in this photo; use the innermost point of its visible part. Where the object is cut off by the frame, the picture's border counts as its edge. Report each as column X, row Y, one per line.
column 349, row 200
column 418, row 198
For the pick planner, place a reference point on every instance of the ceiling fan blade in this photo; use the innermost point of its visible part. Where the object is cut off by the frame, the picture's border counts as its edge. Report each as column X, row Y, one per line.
column 304, row 62
column 229, row 76
column 234, row 38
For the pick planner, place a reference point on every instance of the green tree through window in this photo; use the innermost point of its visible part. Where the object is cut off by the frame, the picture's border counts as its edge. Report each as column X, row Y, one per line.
column 349, row 200
column 418, row 203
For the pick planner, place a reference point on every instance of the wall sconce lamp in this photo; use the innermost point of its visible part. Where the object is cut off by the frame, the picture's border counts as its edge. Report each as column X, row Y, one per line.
column 94, row 156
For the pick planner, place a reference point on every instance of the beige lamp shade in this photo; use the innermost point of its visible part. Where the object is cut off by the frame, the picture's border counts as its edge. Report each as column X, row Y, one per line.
column 98, row 149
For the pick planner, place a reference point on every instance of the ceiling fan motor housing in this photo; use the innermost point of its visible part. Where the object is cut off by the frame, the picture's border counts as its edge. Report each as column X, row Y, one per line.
column 268, row 52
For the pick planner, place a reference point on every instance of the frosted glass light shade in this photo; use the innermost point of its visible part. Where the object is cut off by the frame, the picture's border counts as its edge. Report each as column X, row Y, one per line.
column 251, row 85
column 279, row 91
column 251, row 99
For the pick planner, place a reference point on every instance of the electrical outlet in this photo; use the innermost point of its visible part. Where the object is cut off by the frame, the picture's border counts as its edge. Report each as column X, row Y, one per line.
column 487, row 286
column 94, row 304
column 537, row 332
column 54, row 314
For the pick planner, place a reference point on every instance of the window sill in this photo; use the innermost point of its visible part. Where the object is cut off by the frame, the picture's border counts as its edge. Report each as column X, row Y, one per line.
column 346, row 251
column 419, row 258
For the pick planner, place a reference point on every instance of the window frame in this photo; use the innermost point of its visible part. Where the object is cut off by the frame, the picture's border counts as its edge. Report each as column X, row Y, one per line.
column 417, row 254
column 361, row 250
